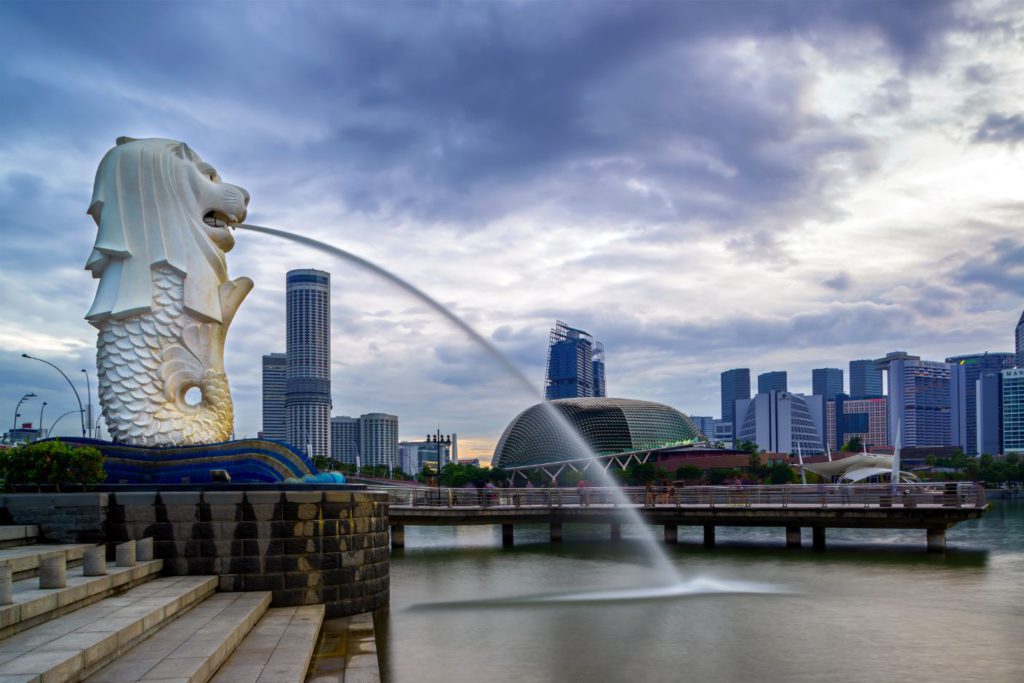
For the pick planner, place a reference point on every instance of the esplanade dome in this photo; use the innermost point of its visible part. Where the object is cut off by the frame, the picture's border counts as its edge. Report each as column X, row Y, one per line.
column 608, row 425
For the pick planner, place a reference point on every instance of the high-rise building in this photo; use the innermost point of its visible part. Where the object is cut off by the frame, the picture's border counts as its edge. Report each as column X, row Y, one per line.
column 571, row 364
column 378, row 439
column 345, row 439
column 308, row 342
column 781, row 422
column 1019, row 337
column 275, row 370
column 706, row 425
column 598, row 365
column 919, row 402
column 866, row 418
column 772, row 381
column 865, row 379
column 989, row 392
column 1013, row 410
column 735, row 387
column 827, row 382
column 964, row 374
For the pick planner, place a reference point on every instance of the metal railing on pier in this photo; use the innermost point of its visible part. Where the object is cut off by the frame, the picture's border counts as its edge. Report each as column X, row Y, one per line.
column 941, row 494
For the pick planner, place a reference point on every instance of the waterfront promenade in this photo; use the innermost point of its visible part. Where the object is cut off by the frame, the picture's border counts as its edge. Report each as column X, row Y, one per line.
column 931, row 507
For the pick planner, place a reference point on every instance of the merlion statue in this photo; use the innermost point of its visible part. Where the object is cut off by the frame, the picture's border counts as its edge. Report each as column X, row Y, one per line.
column 164, row 301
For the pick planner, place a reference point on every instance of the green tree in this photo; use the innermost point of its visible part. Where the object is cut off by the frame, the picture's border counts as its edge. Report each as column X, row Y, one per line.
column 854, row 445
column 51, row 462
column 746, row 446
column 689, row 472
column 781, row 473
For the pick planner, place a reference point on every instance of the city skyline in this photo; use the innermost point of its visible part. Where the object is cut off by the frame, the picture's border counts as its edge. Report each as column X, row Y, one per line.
column 866, row 164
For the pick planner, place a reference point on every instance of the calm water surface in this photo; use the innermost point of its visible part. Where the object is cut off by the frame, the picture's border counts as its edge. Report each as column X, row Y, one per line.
column 873, row 607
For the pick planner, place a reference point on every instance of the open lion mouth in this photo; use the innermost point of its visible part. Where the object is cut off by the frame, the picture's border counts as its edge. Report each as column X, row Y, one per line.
column 216, row 219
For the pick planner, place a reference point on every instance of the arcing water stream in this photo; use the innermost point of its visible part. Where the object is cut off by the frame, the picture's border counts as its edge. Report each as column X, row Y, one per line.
column 671, row 583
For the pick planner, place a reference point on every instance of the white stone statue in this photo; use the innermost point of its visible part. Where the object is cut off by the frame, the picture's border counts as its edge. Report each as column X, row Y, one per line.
column 164, row 301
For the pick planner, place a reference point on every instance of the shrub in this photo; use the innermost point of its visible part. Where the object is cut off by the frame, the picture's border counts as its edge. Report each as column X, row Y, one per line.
column 51, row 462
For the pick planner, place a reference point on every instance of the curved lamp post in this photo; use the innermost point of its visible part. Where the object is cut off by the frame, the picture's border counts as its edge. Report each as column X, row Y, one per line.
column 88, row 389
column 54, row 425
column 77, row 397
column 41, row 408
column 29, row 395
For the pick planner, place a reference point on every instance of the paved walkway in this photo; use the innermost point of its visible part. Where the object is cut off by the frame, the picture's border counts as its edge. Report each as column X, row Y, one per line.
column 346, row 652
column 277, row 650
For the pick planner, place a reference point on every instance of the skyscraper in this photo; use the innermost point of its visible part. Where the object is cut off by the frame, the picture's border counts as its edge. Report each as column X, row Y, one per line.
column 781, row 422
column 345, row 439
column 989, row 393
column 735, row 387
column 378, row 439
column 866, row 418
column 827, row 382
column 919, row 400
column 573, row 364
column 865, row 379
column 275, row 368
column 1019, row 336
column 964, row 374
column 1013, row 410
column 772, row 381
column 308, row 350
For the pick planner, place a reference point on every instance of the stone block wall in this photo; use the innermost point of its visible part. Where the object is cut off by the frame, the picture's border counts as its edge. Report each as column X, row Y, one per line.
column 61, row 517
column 307, row 547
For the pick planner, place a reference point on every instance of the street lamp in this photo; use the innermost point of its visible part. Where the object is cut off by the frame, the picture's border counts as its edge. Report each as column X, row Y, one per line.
column 54, row 425
column 88, row 389
column 24, row 398
column 77, row 397
column 41, row 435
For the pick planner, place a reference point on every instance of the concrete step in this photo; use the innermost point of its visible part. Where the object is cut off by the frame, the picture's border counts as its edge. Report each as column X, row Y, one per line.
column 33, row 605
column 24, row 560
column 12, row 535
column 193, row 647
column 76, row 645
column 278, row 650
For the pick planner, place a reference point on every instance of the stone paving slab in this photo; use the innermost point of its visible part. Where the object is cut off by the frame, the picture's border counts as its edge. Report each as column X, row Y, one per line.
column 33, row 605
column 71, row 647
column 346, row 652
column 278, row 650
column 24, row 560
column 192, row 647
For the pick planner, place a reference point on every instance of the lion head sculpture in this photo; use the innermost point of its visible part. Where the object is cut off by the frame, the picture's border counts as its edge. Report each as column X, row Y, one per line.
column 156, row 203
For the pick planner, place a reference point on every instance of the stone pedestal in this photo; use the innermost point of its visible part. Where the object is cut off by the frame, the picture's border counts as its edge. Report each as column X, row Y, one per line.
column 144, row 549
column 6, row 585
column 53, row 572
column 94, row 563
column 125, row 554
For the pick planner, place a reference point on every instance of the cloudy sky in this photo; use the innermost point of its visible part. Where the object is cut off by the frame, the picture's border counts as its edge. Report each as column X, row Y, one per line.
column 773, row 185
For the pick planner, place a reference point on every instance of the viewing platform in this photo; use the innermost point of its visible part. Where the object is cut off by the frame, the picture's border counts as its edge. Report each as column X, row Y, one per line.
column 932, row 507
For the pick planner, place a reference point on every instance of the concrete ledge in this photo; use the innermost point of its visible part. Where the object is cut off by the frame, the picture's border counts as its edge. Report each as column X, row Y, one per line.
column 18, row 534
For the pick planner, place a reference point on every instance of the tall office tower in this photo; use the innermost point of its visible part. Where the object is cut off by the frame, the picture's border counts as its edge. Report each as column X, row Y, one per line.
column 865, row 379
column 989, row 392
column 345, row 439
column 275, row 369
column 735, row 387
column 706, row 425
column 1013, row 410
column 598, row 365
column 847, row 417
column 772, row 381
column 571, row 367
column 964, row 374
column 1019, row 336
column 308, row 342
column 378, row 439
column 781, row 422
column 827, row 382
column 919, row 402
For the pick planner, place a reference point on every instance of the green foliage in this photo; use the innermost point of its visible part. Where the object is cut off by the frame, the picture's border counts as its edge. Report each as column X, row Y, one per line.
column 689, row 472
column 781, row 473
column 854, row 445
column 457, row 475
column 717, row 476
column 51, row 462
column 747, row 446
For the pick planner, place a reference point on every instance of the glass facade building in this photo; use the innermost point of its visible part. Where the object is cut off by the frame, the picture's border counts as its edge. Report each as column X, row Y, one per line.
column 866, row 418
column 827, row 382
column 575, row 366
column 919, row 400
column 345, row 439
column 781, row 422
column 1013, row 410
column 275, row 371
column 378, row 439
column 1019, row 338
column 865, row 379
column 964, row 374
column 989, row 423
column 772, row 381
column 308, row 350
column 538, row 435
column 735, row 387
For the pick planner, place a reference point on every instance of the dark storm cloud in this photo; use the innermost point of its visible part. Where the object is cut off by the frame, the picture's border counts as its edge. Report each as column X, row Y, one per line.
column 1000, row 128
column 839, row 282
column 1000, row 267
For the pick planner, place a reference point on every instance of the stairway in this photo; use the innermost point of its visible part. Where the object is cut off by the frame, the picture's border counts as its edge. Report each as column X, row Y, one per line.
column 131, row 624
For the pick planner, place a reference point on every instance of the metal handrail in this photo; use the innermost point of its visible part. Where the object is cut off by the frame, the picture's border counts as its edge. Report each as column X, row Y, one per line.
column 931, row 494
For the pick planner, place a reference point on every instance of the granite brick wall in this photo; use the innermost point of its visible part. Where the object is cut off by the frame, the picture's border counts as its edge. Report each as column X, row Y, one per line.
column 61, row 517
column 307, row 547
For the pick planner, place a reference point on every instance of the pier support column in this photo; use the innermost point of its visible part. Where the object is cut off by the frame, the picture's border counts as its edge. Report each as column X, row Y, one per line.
column 792, row 537
column 616, row 532
column 937, row 540
column 556, row 532
column 507, row 535
column 671, row 534
column 709, row 535
column 818, row 537
column 397, row 535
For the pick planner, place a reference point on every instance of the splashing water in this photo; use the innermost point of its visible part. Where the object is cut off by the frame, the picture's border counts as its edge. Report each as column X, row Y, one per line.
column 672, row 584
